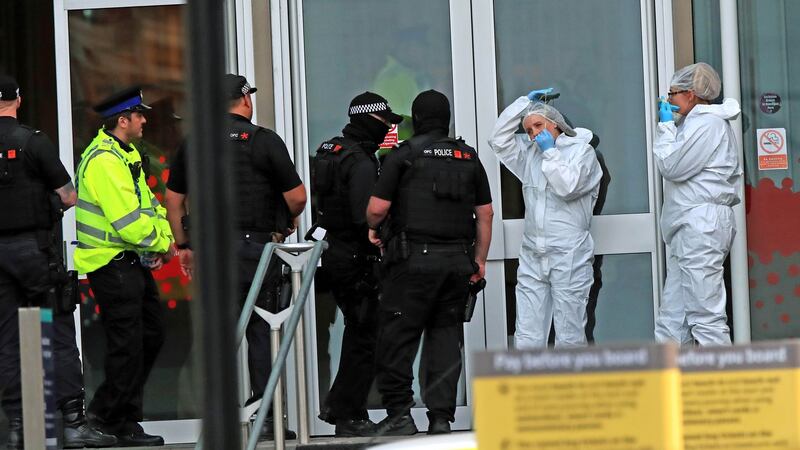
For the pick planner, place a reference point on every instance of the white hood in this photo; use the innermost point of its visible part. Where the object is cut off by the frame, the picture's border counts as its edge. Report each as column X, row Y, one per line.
column 728, row 110
column 582, row 136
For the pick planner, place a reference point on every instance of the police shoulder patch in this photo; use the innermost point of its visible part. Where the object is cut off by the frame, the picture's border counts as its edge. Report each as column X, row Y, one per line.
column 330, row 147
column 240, row 136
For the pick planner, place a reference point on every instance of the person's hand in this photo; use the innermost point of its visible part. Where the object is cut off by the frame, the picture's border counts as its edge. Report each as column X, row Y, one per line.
column 537, row 94
column 545, row 140
column 171, row 253
column 480, row 273
column 186, row 260
column 158, row 262
column 665, row 110
column 289, row 231
column 374, row 239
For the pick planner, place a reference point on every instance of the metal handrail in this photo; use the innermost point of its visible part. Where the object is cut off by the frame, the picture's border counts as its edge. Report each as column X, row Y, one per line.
column 289, row 330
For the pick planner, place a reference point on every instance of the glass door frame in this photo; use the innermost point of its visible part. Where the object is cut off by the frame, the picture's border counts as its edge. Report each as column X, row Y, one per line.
column 297, row 126
column 613, row 234
column 173, row 431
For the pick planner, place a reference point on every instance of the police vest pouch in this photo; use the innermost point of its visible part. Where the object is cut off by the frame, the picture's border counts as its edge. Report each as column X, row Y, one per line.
column 438, row 191
column 21, row 189
column 323, row 176
column 328, row 182
column 260, row 205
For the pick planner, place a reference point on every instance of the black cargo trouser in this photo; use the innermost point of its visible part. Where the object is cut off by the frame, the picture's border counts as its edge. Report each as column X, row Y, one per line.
column 259, row 355
column 356, row 294
column 425, row 293
column 25, row 280
column 133, row 322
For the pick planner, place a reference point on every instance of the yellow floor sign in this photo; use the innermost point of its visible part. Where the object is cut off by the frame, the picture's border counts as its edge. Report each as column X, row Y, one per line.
column 598, row 398
column 744, row 397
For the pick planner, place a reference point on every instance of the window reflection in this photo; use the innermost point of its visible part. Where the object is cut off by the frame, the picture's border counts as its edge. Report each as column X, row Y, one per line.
column 539, row 47
column 111, row 49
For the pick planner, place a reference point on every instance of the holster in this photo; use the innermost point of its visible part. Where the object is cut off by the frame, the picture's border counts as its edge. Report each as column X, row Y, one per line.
column 472, row 298
column 185, row 223
column 397, row 250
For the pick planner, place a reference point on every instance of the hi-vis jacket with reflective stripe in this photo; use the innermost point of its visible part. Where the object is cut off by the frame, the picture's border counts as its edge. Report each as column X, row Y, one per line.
column 114, row 211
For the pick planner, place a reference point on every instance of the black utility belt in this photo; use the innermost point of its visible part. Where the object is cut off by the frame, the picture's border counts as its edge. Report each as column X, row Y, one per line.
column 126, row 255
column 259, row 237
column 431, row 247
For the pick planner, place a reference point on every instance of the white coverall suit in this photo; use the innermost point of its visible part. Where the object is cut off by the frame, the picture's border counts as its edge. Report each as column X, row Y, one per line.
column 699, row 162
column 560, row 187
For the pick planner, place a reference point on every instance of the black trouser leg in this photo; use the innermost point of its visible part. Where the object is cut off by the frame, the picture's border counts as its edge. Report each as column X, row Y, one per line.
column 356, row 296
column 133, row 325
column 398, row 341
column 67, row 363
column 259, row 355
column 24, row 280
column 9, row 348
column 152, row 341
column 441, row 351
column 347, row 398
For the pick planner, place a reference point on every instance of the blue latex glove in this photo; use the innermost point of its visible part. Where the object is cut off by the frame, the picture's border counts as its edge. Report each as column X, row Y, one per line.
column 545, row 140
column 536, row 95
column 665, row 110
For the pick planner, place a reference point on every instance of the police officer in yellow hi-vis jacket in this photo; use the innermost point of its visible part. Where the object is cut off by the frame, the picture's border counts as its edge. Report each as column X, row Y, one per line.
column 123, row 234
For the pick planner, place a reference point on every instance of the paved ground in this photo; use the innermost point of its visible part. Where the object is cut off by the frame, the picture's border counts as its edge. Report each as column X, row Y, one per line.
column 321, row 443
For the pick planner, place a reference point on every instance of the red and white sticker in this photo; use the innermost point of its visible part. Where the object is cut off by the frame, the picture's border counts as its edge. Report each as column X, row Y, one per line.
column 391, row 138
column 772, row 153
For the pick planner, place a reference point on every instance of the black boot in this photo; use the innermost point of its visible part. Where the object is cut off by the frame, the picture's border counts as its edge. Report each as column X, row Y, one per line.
column 355, row 428
column 77, row 432
column 132, row 435
column 268, row 431
column 438, row 424
column 15, row 433
column 397, row 425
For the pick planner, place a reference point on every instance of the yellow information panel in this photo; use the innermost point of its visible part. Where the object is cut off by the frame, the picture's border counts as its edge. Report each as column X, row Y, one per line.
column 743, row 397
column 595, row 398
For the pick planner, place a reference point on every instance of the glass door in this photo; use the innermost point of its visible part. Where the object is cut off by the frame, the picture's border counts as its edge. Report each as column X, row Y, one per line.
column 600, row 55
column 102, row 47
column 396, row 49
column 108, row 49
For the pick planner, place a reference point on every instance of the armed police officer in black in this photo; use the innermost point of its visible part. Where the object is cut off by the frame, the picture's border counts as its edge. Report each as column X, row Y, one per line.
column 35, row 188
column 436, row 195
column 270, row 197
column 345, row 171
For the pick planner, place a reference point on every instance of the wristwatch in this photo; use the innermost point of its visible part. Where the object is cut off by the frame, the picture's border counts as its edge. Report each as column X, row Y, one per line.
column 184, row 246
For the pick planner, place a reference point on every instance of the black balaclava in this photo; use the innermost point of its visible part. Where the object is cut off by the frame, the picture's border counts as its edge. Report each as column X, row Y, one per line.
column 430, row 111
column 364, row 127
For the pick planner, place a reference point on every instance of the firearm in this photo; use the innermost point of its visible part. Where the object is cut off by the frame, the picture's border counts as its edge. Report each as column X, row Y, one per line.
column 63, row 294
column 472, row 298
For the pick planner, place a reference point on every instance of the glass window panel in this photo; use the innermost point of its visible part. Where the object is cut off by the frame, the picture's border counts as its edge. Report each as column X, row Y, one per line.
column 538, row 47
column 389, row 48
column 111, row 49
column 624, row 304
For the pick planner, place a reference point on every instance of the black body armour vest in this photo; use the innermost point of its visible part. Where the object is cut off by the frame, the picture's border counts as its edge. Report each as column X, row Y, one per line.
column 261, row 207
column 436, row 199
column 332, row 193
column 23, row 194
